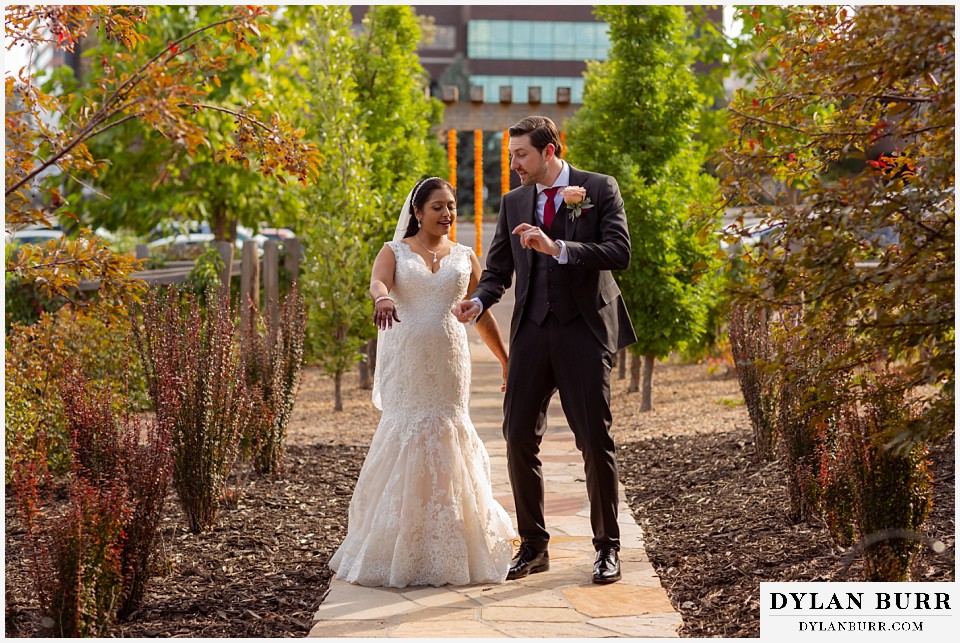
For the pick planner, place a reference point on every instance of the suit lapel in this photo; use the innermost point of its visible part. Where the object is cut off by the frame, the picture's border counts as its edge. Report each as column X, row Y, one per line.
column 576, row 179
column 530, row 212
column 559, row 228
column 529, row 215
column 563, row 213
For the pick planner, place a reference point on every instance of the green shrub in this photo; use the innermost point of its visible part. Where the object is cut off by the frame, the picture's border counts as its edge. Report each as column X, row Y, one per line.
column 34, row 365
column 205, row 273
column 23, row 301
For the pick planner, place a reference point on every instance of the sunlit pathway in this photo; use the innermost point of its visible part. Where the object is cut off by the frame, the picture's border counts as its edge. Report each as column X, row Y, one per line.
column 559, row 603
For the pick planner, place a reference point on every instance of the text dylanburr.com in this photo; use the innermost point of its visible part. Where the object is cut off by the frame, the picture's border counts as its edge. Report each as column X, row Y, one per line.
column 848, row 611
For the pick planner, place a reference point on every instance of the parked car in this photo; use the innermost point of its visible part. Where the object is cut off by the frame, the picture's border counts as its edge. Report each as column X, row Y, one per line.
column 279, row 234
column 32, row 235
column 766, row 232
column 168, row 229
column 194, row 233
column 189, row 239
column 244, row 233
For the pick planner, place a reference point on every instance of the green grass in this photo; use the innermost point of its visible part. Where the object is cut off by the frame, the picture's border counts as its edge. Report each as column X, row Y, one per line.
column 730, row 402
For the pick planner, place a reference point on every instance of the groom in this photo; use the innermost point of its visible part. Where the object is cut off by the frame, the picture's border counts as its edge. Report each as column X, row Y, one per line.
column 568, row 322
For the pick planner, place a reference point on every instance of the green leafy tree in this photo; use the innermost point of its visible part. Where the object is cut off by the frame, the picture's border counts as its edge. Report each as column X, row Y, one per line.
column 148, row 178
column 363, row 99
column 398, row 114
column 856, row 122
column 162, row 84
column 341, row 207
column 641, row 109
column 397, row 121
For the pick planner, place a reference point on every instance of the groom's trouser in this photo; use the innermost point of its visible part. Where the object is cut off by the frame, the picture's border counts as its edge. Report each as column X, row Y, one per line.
column 542, row 360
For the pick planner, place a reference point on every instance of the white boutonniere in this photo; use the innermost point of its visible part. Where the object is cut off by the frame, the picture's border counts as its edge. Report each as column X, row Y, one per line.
column 576, row 199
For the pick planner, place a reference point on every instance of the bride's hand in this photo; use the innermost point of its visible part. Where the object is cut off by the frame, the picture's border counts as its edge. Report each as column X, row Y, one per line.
column 503, row 387
column 384, row 314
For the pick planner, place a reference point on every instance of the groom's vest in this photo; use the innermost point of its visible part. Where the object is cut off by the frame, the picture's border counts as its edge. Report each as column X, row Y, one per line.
column 548, row 293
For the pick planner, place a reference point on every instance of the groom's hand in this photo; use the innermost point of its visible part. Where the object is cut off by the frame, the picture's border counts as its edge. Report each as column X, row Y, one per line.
column 534, row 237
column 465, row 311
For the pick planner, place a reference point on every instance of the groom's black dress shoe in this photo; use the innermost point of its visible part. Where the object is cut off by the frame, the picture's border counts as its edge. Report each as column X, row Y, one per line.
column 606, row 569
column 529, row 560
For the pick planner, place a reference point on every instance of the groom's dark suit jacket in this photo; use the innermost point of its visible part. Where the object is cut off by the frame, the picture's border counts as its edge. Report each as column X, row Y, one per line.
column 597, row 242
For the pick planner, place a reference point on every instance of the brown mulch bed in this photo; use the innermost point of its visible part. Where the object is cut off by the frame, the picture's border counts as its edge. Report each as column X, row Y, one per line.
column 714, row 520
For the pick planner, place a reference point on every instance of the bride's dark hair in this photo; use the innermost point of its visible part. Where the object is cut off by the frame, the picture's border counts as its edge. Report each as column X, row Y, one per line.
column 422, row 192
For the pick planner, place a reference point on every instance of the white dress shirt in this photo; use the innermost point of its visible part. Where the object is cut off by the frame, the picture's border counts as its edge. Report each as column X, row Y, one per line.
column 562, row 181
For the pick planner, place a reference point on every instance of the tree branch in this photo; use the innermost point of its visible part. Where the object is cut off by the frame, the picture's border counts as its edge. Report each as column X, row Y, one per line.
column 50, row 264
column 766, row 122
column 104, row 114
column 235, row 114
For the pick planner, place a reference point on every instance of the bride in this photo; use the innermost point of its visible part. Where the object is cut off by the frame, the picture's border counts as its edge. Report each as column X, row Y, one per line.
column 423, row 511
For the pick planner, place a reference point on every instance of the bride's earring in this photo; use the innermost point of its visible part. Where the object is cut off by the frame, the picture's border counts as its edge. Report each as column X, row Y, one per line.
column 418, row 223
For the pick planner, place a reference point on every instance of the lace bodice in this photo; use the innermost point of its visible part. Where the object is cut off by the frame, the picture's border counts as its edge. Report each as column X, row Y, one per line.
column 428, row 338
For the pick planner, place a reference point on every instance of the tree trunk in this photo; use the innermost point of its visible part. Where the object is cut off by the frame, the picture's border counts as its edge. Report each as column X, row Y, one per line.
column 366, row 381
column 368, row 364
column 634, row 373
column 338, row 392
column 646, row 397
column 622, row 363
column 218, row 225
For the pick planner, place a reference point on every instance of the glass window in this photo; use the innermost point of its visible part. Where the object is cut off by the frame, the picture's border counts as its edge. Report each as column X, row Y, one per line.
column 563, row 32
column 520, row 84
column 537, row 40
column 522, row 32
column 445, row 38
column 479, row 36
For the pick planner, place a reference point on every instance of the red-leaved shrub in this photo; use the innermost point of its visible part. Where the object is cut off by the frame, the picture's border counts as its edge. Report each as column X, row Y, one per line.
column 891, row 490
column 752, row 348
column 90, row 559
column 274, row 360
column 195, row 377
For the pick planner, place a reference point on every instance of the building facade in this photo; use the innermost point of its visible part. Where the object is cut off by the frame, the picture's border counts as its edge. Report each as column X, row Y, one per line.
column 493, row 65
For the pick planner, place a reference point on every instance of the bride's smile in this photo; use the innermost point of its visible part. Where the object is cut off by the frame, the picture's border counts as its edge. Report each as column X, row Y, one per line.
column 438, row 213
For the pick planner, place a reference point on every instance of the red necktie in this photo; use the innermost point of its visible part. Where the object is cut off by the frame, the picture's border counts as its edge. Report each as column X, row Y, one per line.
column 550, row 207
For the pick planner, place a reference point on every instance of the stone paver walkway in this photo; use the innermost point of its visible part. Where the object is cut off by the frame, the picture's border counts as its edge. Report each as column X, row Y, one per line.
column 559, row 603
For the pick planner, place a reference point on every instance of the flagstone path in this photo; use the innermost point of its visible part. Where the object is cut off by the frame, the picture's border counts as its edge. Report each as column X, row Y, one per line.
column 559, row 603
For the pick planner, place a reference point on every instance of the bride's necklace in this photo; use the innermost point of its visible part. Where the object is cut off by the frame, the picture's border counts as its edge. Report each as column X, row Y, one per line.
column 436, row 259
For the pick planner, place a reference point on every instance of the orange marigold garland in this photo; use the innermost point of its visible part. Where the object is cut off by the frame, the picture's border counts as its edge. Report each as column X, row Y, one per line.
column 478, row 188
column 505, row 164
column 452, row 163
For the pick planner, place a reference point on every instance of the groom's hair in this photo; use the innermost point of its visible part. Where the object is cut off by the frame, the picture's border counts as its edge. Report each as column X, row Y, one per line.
column 542, row 132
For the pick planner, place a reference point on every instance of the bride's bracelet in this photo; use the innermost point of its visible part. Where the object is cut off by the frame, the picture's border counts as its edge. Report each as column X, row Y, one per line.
column 379, row 299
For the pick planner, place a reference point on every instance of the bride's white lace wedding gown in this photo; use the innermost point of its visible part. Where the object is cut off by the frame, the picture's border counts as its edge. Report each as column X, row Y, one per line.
column 423, row 511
